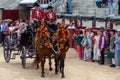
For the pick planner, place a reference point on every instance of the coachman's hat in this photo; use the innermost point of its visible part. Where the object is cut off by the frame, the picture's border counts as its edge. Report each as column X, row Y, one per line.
column 35, row 4
column 50, row 7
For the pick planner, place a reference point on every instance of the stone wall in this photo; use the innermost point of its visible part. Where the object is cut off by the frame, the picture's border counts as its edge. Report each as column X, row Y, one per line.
column 89, row 8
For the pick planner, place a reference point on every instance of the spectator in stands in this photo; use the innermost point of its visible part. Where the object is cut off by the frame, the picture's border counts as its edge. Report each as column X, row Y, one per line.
column 117, row 49
column 98, row 3
column 111, row 7
column 104, row 3
column 78, row 38
column 119, row 7
column 70, row 6
column 112, row 46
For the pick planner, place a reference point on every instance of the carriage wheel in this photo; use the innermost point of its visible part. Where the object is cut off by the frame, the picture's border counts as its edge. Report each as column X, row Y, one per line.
column 6, row 49
column 23, row 57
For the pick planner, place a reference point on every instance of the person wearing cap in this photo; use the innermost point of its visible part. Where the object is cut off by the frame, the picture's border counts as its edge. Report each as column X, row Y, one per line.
column 50, row 18
column 117, row 49
column 37, row 15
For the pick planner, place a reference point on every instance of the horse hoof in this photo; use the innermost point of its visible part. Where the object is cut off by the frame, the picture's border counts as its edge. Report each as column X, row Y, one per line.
column 63, row 76
column 56, row 73
column 42, row 76
column 50, row 69
column 37, row 68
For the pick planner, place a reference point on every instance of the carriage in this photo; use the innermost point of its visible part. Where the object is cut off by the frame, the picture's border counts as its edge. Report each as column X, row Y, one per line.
column 29, row 46
column 24, row 47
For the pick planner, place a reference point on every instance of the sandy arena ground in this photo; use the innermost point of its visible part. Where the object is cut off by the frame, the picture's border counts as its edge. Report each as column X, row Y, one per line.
column 74, row 70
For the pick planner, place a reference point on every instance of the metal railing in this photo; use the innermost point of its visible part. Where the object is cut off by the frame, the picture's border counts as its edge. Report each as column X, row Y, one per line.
column 12, row 6
column 54, row 2
column 44, row 1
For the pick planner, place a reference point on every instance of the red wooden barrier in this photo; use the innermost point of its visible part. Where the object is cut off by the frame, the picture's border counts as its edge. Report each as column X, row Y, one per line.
column 10, row 14
column 108, row 23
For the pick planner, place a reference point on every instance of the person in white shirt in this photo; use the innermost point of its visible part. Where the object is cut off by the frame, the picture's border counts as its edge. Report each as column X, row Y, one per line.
column 71, row 26
column 11, row 27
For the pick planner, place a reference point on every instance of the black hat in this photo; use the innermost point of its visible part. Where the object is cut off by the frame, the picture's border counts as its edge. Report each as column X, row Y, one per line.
column 35, row 4
column 80, row 31
column 49, row 7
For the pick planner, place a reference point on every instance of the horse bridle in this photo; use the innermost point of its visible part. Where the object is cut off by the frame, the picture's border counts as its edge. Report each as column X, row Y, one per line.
column 56, row 45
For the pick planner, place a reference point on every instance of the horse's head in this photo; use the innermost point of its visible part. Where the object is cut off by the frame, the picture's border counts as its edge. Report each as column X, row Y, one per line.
column 54, row 43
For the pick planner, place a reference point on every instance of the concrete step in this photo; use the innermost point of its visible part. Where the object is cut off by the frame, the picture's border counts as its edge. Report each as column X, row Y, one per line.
column 92, row 11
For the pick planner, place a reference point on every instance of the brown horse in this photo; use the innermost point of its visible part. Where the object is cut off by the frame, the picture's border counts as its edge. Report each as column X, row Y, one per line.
column 41, row 55
column 60, row 47
column 42, row 48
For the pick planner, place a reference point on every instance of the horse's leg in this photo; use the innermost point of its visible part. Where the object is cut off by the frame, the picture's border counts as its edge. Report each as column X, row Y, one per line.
column 50, row 63
column 37, row 64
column 62, row 57
column 60, row 63
column 56, row 64
column 37, row 61
column 62, row 68
column 42, row 67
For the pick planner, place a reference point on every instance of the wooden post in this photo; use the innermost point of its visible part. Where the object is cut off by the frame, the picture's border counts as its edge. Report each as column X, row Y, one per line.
column 63, row 19
column 94, row 22
column 81, row 23
column 76, row 22
column 111, row 24
column 106, row 22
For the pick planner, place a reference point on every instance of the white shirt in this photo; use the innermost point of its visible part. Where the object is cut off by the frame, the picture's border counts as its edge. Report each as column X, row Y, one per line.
column 11, row 28
column 38, row 14
column 50, row 14
column 97, row 41
column 71, row 27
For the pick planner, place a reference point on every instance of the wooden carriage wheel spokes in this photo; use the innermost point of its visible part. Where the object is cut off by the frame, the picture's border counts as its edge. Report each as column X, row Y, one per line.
column 6, row 49
column 23, row 57
column 7, row 55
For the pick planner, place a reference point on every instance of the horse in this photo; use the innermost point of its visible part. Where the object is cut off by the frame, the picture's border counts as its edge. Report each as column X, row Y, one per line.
column 60, row 46
column 42, row 48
